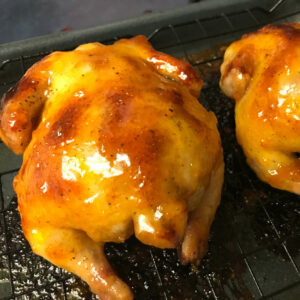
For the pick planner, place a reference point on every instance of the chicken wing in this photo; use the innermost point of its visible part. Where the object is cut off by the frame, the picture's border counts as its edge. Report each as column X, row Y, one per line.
column 262, row 73
column 115, row 143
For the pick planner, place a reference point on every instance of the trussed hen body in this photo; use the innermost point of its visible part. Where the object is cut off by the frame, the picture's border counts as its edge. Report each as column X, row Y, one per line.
column 115, row 143
column 262, row 73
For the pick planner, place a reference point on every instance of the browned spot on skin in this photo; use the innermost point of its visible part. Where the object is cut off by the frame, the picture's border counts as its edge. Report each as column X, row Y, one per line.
column 24, row 84
column 145, row 151
column 177, row 98
column 148, row 145
column 143, row 148
column 133, row 62
column 58, row 253
column 48, row 169
column 119, row 103
column 169, row 234
column 59, row 191
column 291, row 32
column 65, row 126
column 170, row 95
column 20, row 121
column 140, row 145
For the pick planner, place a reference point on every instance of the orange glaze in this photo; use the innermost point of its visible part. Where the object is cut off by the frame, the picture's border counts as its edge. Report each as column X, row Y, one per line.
column 115, row 142
column 262, row 73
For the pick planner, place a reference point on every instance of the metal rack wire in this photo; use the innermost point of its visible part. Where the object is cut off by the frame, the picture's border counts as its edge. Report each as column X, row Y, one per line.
column 253, row 256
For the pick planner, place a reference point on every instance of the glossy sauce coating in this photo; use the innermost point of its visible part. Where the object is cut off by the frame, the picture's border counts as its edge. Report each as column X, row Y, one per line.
column 120, row 146
column 262, row 73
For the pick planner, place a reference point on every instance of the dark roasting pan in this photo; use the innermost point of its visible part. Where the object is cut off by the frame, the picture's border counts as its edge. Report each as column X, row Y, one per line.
column 255, row 239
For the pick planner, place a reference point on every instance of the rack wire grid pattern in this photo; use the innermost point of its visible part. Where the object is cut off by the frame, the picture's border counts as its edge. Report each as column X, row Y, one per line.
column 252, row 251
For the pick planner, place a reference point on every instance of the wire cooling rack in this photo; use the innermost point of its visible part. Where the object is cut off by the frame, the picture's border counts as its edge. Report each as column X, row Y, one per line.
column 255, row 238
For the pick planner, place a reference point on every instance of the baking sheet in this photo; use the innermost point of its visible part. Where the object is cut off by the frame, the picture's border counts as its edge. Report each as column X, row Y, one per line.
column 253, row 250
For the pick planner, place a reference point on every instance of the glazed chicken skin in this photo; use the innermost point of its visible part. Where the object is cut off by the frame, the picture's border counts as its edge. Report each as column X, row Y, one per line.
column 261, row 72
column 115, row 143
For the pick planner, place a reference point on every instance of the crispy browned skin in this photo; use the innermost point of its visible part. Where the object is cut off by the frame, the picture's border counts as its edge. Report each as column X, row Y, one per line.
column 121, row 146
column 262, row 73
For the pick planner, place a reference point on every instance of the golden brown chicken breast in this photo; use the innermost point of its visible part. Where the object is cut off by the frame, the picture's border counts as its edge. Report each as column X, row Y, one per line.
column 115, row 143
column 262, row 73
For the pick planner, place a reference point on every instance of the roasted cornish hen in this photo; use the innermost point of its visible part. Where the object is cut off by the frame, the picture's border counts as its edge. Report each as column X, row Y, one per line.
column 262, row 73
column 115, row 143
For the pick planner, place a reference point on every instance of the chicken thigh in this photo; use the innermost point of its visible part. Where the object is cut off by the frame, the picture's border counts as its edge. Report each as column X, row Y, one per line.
column 115, row 143
column 262, row 73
